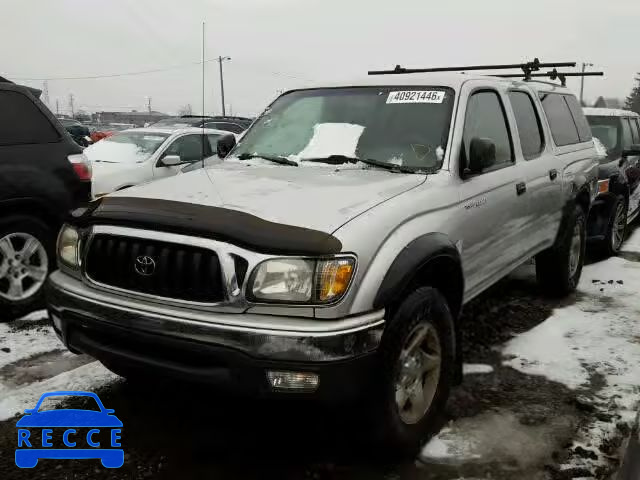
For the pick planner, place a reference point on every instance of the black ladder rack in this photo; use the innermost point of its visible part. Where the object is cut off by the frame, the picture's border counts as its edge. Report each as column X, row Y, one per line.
column 553, row 75
column 527, row 68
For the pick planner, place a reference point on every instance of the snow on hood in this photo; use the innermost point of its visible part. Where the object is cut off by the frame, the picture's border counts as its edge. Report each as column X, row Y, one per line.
column 332, row 139
column 318, row 198
column 106, row 151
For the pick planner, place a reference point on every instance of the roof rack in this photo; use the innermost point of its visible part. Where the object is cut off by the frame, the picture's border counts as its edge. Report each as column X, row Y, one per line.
column 553, row 75
column 527, row 68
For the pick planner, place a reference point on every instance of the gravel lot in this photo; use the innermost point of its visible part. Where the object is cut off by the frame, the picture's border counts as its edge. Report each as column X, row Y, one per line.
column 549, row 393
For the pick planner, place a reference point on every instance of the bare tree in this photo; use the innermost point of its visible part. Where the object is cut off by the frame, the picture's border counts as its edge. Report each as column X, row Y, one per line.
column 185, row 110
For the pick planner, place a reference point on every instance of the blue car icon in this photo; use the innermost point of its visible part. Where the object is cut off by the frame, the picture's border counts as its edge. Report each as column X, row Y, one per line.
column 28, row 454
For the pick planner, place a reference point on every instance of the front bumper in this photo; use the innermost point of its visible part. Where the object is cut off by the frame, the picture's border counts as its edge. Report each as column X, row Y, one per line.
column 220, row 348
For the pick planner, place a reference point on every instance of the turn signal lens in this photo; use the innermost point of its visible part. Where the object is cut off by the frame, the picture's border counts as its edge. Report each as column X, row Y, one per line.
column 333, row 278
column 603, row 186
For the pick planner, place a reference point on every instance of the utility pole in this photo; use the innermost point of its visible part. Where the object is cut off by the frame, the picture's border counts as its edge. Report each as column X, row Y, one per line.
column 584, row 67
column 73, row 113
column 149, row 104
column 57, row 107
column 220, row 60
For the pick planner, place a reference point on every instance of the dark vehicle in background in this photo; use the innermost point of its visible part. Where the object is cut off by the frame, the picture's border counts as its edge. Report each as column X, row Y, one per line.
column 227, row 123
column 618, row 201
column 43, row 175
column 79, row 132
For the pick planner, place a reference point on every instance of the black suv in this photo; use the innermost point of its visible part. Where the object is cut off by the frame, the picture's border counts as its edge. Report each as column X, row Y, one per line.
column 43, row 175
column 226, row 123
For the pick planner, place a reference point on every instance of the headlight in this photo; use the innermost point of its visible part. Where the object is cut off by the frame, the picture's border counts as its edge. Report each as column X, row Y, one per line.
column 298, row 280
column 68, row 246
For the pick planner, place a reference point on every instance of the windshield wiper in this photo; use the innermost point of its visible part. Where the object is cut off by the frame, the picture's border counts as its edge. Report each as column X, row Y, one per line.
column 271, row 158
column 341, row 159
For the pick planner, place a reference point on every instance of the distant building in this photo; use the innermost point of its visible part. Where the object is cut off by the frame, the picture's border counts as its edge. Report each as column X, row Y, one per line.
column 139, row 119
column 609, row 102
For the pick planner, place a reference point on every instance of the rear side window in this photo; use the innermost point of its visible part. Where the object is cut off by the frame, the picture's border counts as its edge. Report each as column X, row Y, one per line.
column 627, row 139
column 563, row 128
column 584, row 132
column 22, row 122
column 528, row 123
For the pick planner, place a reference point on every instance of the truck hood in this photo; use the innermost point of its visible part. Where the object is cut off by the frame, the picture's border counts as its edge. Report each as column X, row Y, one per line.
column 320, row 198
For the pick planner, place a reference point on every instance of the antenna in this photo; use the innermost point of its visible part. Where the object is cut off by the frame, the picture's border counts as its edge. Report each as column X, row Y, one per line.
column 203, row 64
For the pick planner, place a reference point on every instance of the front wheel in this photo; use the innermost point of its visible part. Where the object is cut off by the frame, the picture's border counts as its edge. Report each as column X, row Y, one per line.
column 418, row 366
column 558, row 268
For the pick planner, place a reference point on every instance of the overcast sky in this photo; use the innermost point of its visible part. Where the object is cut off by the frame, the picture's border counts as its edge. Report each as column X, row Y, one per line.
column 281, row 44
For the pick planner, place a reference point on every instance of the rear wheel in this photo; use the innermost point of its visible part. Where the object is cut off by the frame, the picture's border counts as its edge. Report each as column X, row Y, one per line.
column 558, row 268
column 418, row 367
column 27, row 252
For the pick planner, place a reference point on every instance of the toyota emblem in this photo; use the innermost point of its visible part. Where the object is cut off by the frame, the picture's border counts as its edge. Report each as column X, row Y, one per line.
column 145, row 265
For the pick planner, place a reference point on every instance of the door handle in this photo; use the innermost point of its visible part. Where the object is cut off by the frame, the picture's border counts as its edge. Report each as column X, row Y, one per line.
column 521, row 188
column 553, row 174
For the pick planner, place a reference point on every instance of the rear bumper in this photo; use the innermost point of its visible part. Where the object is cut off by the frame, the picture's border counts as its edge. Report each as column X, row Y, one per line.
column 213, row 347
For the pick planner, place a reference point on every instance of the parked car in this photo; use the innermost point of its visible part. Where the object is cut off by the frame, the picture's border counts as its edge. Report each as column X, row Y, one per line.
column 230, row 124
column 329, row 255
column 79, row 132
column 136, row 156
column 43, row 175
column 618, row 201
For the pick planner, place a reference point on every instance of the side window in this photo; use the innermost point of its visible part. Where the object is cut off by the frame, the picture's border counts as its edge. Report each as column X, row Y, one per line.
column 584, row 131
column 485, row 119
column 563, row 128
column 189, row 148
column 627, row 139
column 635, row 135
column 528, row 123
column 22, row 122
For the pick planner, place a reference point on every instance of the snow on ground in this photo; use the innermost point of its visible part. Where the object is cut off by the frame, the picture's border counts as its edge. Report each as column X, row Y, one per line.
column 24, row 345
column 591, row 346
column 26, row 342
column 476, row 368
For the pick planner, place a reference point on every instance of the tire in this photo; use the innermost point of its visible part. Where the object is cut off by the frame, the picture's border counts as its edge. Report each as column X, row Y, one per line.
column 616, row 229
column 20, row 228
column 556, row 272
column 397, row 435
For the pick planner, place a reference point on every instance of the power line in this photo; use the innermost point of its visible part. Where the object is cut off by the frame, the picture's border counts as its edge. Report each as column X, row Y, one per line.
column 112, row 75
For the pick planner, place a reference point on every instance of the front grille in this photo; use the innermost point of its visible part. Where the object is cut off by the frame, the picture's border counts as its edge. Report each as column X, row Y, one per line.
column 157, row 268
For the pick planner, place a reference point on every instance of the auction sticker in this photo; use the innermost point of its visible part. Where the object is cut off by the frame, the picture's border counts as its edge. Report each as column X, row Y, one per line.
column 416, row 96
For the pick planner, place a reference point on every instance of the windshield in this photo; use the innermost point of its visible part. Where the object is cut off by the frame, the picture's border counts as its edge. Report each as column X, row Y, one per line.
column 68, row 122
column 128, row 146
column 391, row 125
column 607, row 130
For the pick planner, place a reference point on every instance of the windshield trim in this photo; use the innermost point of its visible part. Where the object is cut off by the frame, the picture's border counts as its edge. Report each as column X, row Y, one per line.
column 446, row 88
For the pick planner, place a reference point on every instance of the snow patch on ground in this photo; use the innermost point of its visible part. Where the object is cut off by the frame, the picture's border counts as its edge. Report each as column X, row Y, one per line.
column 26, row 342
column 88, row 377
column 476, row 368
column 596, row 338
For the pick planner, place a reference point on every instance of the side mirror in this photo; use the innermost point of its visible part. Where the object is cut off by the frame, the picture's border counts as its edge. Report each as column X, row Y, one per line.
column 170, row 161
column 225, row 145
column 632, row 151
column 482, row 154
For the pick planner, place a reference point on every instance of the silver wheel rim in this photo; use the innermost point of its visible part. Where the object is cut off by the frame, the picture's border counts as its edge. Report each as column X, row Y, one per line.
column 575, row 251
column 23, row 266
column 619, row 226
column 418, row 373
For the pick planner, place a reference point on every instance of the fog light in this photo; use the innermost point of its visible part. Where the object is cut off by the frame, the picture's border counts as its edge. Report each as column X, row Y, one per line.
column 295, row 381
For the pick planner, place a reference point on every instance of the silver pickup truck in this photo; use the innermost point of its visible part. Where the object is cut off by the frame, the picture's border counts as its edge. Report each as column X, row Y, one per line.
column 330, row 253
